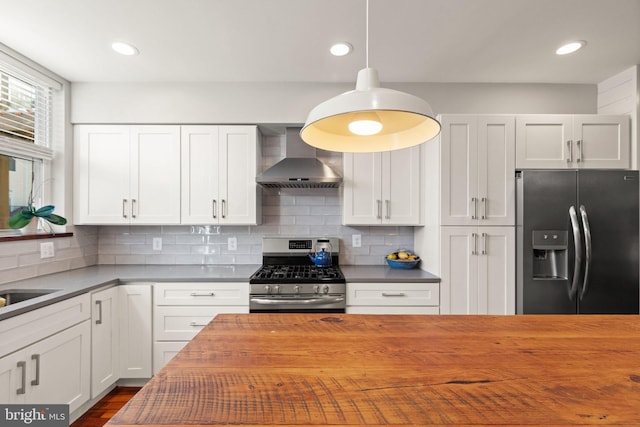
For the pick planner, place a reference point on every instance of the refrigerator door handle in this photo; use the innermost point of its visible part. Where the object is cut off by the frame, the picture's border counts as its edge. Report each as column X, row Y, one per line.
column 588, row 250
column 577, row 239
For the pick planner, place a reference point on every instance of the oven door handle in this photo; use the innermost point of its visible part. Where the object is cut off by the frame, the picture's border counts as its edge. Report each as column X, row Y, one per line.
column 309, row 301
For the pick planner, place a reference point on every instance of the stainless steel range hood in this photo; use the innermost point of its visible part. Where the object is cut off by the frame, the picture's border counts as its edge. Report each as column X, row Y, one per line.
column 300, row 168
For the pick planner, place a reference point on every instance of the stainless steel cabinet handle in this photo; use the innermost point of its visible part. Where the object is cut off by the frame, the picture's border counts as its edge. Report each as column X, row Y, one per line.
column 379, row 202
column 577, row 239
column 570, row 150
column 202, row 294
column 99, row 319
column 36, row 357
column 484, row 243
column 194, row 323
column 393, row 294
column 124, row 208
column 587, row 250
column 388, row 209
column 474, row 251
column 474, row 215
column 224, row 208
column 133, row 208
column 579, row 144
column 215, row 208
column 23, row 365
column 484, row 207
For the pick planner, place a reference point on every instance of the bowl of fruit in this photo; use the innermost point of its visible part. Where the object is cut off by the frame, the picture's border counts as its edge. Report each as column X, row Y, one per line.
column 402, row 259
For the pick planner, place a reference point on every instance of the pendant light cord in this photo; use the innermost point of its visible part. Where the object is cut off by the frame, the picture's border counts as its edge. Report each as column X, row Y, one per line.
column 366, row 29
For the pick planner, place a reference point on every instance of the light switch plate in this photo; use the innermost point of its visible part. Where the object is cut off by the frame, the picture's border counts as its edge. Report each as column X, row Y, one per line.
column 47, row 250
column 356, row 240
column 157, row 243
column 232, row 243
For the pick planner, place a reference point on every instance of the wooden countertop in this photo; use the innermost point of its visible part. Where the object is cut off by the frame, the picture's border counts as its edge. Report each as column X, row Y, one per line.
column 351, row 370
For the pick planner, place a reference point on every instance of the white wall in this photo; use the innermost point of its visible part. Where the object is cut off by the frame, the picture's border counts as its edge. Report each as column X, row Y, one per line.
column 620, row 94
column 261, row 103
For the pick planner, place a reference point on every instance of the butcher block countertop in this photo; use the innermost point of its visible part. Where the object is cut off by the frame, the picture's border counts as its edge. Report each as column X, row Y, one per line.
column 379, row 370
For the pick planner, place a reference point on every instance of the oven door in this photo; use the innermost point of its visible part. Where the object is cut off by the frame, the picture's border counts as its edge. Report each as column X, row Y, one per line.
column 312, row 303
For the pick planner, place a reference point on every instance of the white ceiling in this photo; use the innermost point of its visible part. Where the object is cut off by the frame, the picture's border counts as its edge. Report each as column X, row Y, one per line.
column 288, row 40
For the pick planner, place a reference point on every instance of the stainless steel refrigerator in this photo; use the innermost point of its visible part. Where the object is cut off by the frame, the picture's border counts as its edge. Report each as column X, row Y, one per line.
column 577, row 242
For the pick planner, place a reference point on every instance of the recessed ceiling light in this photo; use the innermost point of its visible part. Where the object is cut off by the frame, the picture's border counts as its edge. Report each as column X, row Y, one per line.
column 570, row 47
column 341, row 49
column 124, row 48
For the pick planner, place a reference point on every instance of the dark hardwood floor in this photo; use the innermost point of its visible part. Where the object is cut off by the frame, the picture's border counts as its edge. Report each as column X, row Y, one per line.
column 102, row 411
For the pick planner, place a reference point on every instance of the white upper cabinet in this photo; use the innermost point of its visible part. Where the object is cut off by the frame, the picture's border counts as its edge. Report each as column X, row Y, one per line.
column 126, row 174
column 546, row 141
column 477, row 167
column 219, row 167
column 382, row 188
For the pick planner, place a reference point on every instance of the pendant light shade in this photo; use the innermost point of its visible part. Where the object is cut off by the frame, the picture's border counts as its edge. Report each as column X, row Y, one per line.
column 370, row 119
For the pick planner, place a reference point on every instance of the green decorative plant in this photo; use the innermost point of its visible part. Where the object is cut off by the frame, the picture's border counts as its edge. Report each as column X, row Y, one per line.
column 24, row 217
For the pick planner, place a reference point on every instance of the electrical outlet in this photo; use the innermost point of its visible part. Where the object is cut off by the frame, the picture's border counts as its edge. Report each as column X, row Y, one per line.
column 47, row 250
column 157, row 243
column 356, row 240
column 232, row 243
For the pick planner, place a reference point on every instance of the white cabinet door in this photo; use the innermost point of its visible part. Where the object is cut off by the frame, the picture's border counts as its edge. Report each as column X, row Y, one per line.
column 105, row 340
column 477, row 166
column 61, row 368
column 126, row 174
column 239, row 164
column 155, row 174
column 13, row 377
column 557, row 141
column 496, row 270
column 219, row 167
column 200, row 174
column 602, row 141
column 101, row 174
column 164, row 351
column 496, row 170
column 382, row 188
column 478, row 270
column 135, row 330
column 362, row 198
column 401, row 188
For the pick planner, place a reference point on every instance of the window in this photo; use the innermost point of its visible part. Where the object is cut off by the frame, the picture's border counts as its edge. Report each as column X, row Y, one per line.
column 25, row 138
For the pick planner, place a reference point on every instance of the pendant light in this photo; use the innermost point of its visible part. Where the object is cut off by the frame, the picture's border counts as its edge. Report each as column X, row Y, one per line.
column 370, row 118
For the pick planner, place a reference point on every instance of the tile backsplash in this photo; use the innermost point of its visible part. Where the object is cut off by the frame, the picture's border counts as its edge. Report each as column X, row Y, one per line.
column 288, row 213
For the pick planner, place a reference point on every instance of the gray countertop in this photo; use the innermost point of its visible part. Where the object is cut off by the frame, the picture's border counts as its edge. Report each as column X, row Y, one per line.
column 68, row 284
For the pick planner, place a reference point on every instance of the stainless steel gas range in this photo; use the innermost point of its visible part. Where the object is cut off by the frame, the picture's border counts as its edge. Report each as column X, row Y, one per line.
column 290, row 282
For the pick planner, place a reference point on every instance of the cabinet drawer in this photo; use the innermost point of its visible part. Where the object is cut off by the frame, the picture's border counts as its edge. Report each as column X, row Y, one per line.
column 195, row 294
column 392, row 309
column 183, row 323
column 19, row 331
column 393, row 294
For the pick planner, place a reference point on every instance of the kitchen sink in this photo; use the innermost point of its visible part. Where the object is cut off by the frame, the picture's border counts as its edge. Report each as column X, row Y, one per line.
column 14, row 296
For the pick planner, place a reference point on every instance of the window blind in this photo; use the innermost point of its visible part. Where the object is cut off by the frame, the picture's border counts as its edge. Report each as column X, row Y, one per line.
column 25, row 108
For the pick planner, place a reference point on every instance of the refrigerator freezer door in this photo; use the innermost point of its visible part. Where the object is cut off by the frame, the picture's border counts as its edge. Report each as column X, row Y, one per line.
column 610, row 199
column 544, row 199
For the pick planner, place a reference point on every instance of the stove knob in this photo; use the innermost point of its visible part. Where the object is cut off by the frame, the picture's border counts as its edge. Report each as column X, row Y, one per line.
column 276, row 289
column 267, row 289
column 296, row 289
column 316, row 289
column 325, row 289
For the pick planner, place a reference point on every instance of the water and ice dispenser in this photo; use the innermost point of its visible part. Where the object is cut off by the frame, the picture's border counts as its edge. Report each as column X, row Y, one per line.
column 550, row 254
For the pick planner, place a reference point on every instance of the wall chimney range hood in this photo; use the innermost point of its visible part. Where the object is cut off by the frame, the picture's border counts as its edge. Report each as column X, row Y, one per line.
column 300, row 168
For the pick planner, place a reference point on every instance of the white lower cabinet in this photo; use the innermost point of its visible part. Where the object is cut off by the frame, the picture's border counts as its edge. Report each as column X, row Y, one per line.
column 135, row 330
column 105, row 340
column 53, row 370
column 477, row 270
column 181, row 310
column 393, row 298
